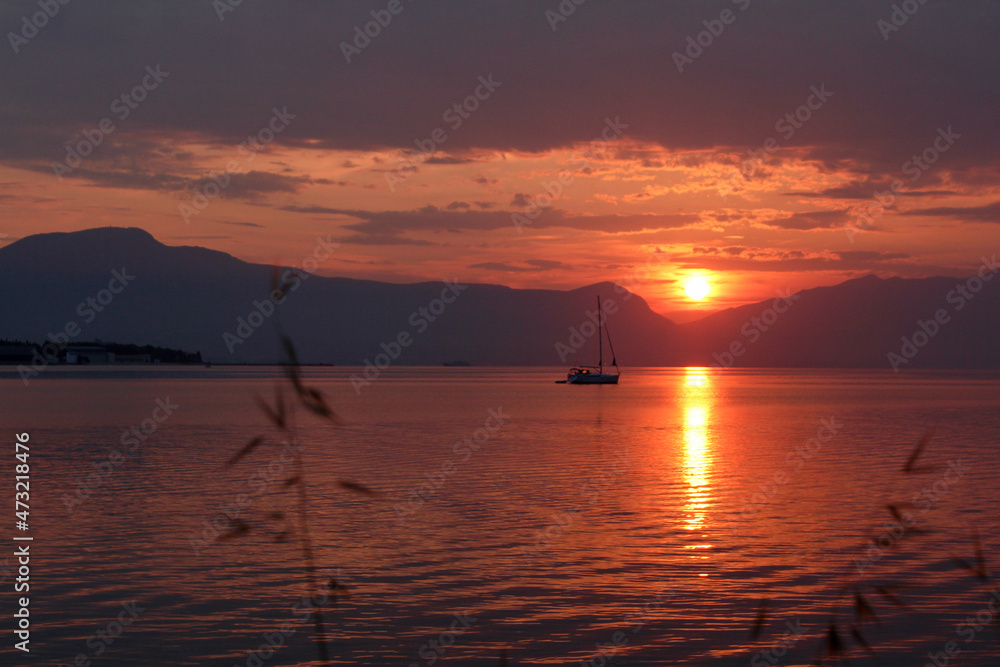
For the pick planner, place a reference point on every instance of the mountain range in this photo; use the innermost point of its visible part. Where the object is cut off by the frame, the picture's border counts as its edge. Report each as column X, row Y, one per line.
column 123, row 285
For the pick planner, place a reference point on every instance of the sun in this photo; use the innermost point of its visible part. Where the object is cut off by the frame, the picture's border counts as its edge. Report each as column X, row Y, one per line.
column 697, row 288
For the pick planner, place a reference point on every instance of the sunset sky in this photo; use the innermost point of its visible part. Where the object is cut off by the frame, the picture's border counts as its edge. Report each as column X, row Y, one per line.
column 845, row 95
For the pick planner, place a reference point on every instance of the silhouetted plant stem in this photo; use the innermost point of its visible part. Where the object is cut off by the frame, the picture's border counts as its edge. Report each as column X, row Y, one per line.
column 307, row 555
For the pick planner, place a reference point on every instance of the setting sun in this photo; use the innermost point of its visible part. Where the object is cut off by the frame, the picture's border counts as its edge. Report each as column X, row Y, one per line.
column 697, row 288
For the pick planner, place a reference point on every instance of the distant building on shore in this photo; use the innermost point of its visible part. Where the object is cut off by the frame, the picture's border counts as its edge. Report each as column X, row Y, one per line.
column 89, row 354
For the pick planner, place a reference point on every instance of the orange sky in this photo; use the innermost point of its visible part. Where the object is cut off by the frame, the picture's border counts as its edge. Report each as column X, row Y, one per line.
column 635, row 214
column 658, row 182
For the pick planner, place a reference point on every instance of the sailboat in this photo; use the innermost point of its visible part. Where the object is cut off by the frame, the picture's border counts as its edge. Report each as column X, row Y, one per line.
column 587, row 374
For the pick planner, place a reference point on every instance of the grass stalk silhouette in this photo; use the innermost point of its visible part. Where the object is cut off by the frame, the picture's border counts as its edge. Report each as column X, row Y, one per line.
column 283, row 416
column 852, row 607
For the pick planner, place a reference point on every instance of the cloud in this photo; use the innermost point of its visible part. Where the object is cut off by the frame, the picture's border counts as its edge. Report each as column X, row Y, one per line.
column 361, row 239
column 866, row 190
column 449, row 159
column 869, row 255
column 434, row 219
column 240, row 224
column 533, row 265
column 874, row 122
column 985, row 213
column 741, row 258
column 809, row 220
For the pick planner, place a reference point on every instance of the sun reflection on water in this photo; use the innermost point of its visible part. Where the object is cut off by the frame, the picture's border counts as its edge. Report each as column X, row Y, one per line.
column 696, row 401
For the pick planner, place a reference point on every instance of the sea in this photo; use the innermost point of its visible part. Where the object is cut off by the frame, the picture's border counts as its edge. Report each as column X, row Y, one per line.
column 490, row 516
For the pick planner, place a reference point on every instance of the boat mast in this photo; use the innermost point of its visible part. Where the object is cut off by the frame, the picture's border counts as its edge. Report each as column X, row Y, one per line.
column 600, row 337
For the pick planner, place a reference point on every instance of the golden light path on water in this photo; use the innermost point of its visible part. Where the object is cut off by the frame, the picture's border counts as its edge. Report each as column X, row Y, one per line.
column 697, row 396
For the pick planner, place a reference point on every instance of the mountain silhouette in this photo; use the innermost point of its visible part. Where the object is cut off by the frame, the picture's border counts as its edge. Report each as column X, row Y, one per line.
column 203, row 300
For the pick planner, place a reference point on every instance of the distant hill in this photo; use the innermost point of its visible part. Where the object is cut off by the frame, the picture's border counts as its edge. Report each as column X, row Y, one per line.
column 197, row 299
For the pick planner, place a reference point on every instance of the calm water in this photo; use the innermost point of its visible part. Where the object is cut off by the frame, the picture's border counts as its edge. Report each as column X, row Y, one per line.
column 649, row 517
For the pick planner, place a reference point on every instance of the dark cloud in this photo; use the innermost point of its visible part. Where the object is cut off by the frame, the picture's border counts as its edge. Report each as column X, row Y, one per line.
column 448, row 159
column 434, row 219
column 556, row 87
column 240, row 224
column 252, row 185
column 869, row 255
column 770, row 260
column 532, row 265
column 362, row 239
column 810, row 220
column 867, row 191
column 985, row 213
